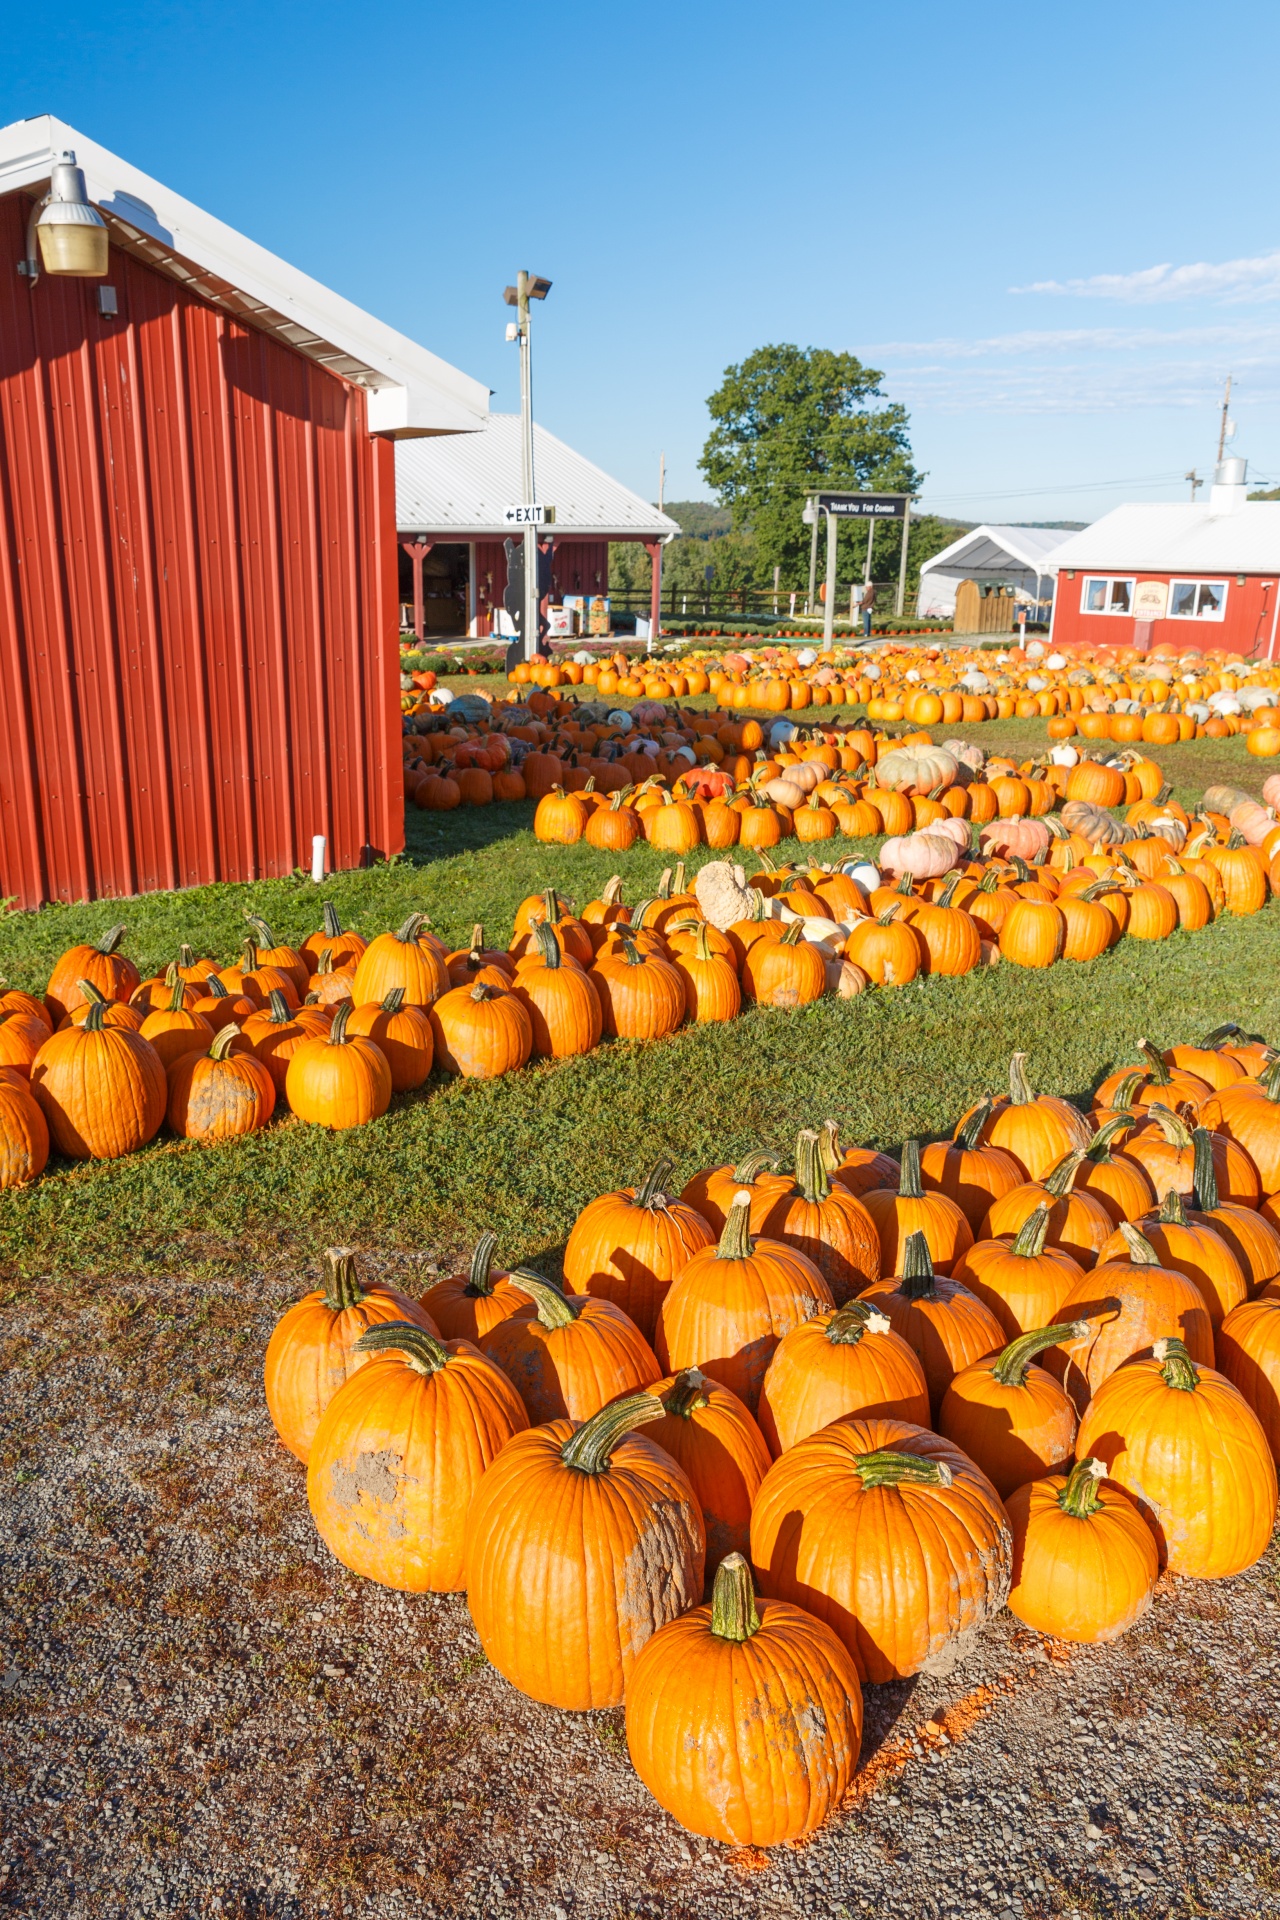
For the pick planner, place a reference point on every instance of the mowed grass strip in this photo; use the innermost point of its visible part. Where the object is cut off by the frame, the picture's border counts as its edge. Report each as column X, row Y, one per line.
column 524, row 1154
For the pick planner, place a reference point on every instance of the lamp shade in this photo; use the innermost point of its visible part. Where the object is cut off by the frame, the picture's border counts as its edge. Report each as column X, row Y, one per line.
column 71, row 232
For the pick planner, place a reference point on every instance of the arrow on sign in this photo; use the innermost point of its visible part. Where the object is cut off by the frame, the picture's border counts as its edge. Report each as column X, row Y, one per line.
column 530, row 516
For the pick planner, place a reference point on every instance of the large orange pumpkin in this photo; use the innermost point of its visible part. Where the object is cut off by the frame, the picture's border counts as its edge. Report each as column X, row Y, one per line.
column 847, row 1361
column 563, row 1007
column 973, row 1175
column 734, row 1302
column 312, row 1350
column 1084, row 1559
column 744, row 1719
column 1009, row 1415
column 889, row 1534
column 404, row 959
column 102, row 1088
column 582, row 1540
column 24, row 1136
column 400, row 1450
column 1186, row 1445
column 402, row 1033
column 711, row 1192
column 570, row 1353
column 276, row 1031
column 481, row 1032
column 1127, row 1308
column 905, row 1209
column 467, row 1306
column 1248, row 1353
column 98, row 962
column 826, row 1223
column 628, row 1246
column 337, row 1082
column 221, row 1092
column 1023, row 1281
column 942, row 1322
column 1037, row 1129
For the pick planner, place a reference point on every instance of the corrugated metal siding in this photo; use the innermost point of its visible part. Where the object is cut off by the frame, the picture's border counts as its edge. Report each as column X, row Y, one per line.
column 198, row 609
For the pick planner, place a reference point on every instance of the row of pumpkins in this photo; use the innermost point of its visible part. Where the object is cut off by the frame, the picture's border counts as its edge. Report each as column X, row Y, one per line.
column 1029, row 1365
column 1104, row 693
column 334, row 1027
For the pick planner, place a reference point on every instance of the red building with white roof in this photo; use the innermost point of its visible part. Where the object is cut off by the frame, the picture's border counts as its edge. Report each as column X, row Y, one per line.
column 1198, row 578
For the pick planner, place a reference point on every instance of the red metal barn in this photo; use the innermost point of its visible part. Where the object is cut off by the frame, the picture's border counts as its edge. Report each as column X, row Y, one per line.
column 1194, row 579
column 198, row 549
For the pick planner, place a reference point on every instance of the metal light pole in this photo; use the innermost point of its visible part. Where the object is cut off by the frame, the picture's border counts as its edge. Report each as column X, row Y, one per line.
column 811, row 516
column 529, row 286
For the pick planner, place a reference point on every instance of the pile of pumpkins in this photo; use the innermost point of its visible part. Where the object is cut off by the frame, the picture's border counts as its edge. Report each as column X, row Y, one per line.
column 792, row 1430
column 1103, row 692
column 332, row 1028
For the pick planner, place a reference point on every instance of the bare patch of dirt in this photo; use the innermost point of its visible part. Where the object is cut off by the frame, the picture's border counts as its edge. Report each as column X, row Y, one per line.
column 202, row 1713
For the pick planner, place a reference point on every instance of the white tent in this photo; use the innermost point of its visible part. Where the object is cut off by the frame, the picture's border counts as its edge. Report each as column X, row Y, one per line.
column 1005, row 556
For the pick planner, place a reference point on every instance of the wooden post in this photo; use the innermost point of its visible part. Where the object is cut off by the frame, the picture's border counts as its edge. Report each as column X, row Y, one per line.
column 417, row 551
column 654, row 550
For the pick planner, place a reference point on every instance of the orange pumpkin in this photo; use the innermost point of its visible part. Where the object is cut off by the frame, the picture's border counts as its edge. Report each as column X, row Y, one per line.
column 102, row 1088
column 582, row 1540
column 825, row 1223
column 845, row 1361
column 889, row 1534
column 570, row 1353
column 1127, row 1308
column 406, row 959
column 628, row 1246
column 220, row 1092
column 1010, row 1416
column 98, row 962
column 899, row 1211
column 402, row 1033
column 337, row 1082
column 710, row 1433
column 721, row 1711
column 940, row 1320
column 1084, row 1559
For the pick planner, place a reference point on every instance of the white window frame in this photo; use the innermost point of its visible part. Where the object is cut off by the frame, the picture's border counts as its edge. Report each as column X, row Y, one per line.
column 1108, row 612
column 1198, row 582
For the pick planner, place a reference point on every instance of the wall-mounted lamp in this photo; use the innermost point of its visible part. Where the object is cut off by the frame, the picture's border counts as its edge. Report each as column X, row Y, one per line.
column 72, row 234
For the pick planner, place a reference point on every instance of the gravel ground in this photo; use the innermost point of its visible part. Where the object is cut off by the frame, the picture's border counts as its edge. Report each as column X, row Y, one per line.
column 202, row 1713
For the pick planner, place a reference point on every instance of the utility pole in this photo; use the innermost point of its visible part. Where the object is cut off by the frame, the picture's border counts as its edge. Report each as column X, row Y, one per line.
column 1196, row 483
column 1224, row 430
column 662, row 478
column 529, row 286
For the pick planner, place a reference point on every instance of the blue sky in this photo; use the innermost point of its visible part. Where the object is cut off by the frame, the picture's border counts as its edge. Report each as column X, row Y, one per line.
column 1056, row 230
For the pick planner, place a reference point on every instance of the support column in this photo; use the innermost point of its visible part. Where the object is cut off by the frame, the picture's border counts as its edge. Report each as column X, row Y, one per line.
column 417, row 551
column 654, row 550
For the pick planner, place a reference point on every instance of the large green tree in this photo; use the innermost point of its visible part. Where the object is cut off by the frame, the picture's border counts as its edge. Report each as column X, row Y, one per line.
column 789, row 421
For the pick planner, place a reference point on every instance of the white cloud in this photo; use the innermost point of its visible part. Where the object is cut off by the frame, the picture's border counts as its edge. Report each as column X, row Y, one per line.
column 1231, row 282
column 1076, row 339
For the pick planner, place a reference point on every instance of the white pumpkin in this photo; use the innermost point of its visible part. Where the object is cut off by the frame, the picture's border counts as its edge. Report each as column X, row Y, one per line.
column 916, row 769
column 868, row 875
column 1064, row 755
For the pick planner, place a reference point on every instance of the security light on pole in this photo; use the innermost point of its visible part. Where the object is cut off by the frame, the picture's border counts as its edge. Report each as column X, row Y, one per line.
column 70, row 232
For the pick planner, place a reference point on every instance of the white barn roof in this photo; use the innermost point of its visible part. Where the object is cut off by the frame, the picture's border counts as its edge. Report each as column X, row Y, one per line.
column 410, row 390
column 996, row 553
column 460, row 488
column 1178, row 539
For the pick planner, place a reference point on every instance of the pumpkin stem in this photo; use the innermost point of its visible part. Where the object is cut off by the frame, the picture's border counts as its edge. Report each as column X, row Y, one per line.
column 856, row 1317
column 631, row 953
column 1205, row 1174
column 917, row 1280
column 735, row 1241
column 746, row 1170
column 664, row 881
column 93, row 1020
column 223, row 1041
column 554, row 1307
column 422, row 1351
column 733, row 1600
column 478, row 1282
column 793, row 935
column 1159, row 1074
column 910, row 1186
column 1079, row 1497
column 889, row 915
column 1141, row 1251
column 548, row 946
column 811, row 1174
column 1212, row 1041
column 337, row 1035
column 687, row 1392
column 678, row 882
column 408, row 931
column 1020, row 1093
column 611, row 895
column 339, row 1280
column 885, row 1468
column 1029, row 1241
column 279, row 1015
column 1269, row 1081
column 325, row 963
column 948, row 892
column 1177, row 1368
column 110, row 940
column 94, row 995
column 829, row 1145
column 178, row 996
column 1013, row 1364
column 969, row 1133
column 1174, row 1129
column 216, row 989
column 262, row 932
column 394, row 1000
column 653, row 1194
column 1061, row 1177
column 1172, row 1212
column 330, row 923
column 588, row 1449
column 1099, row 1148
column 483, row 991
column 1127, row 1089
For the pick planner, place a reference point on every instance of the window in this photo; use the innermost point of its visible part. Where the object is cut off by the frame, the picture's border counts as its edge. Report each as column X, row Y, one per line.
column 1197, row 599
column 1107, row 596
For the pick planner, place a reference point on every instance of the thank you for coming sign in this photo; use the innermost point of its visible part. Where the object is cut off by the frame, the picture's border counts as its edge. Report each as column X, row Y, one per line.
column 865, row 506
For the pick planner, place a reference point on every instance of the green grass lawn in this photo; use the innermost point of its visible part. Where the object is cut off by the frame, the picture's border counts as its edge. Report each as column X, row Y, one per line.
column 524, row 1154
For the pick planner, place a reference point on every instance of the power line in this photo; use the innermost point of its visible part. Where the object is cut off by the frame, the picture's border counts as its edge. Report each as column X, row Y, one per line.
column 1087, row 486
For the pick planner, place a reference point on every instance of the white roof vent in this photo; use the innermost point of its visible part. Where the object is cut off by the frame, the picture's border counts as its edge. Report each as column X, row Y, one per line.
column 1228, row 492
